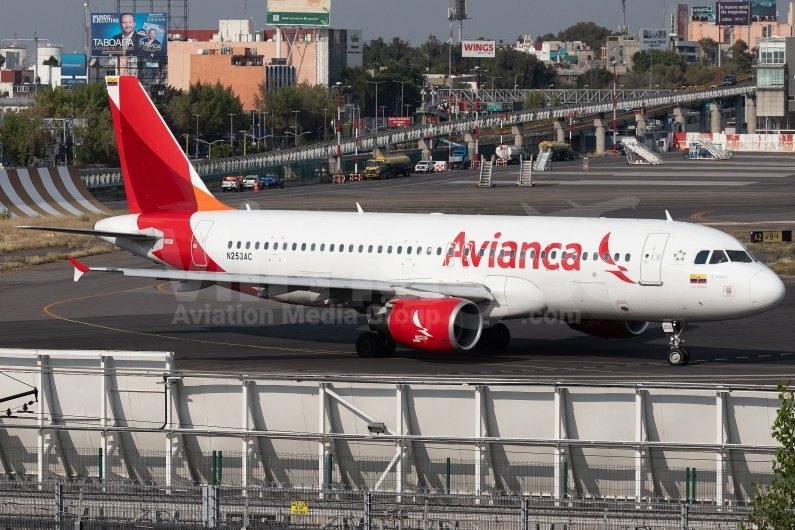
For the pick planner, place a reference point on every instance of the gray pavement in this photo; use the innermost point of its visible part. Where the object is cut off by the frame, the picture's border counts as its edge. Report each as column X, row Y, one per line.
column 217, row 331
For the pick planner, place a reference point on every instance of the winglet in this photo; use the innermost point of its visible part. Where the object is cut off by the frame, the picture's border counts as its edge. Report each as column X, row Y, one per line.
column 668, row 216
column 80, row 269
column 359, row 208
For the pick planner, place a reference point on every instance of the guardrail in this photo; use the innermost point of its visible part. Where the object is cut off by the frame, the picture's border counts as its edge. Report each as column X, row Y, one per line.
column 256, row 163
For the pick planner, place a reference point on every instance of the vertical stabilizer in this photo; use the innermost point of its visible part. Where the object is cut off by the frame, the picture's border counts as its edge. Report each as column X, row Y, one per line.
column 158, row 177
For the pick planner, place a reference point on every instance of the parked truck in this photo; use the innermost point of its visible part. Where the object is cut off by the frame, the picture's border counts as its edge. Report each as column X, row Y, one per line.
column 387, row 167
column 459, row 155
column 560, row 150
column 508, row 154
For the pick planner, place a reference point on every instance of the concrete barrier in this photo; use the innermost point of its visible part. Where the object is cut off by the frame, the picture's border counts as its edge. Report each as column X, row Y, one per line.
column 45, row 192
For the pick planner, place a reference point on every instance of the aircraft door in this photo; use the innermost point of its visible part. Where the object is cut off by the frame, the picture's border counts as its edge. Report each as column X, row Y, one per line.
column 198, row 245
column 651, row 259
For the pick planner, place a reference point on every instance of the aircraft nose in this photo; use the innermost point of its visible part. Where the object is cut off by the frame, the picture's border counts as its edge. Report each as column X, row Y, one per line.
column 766, row 289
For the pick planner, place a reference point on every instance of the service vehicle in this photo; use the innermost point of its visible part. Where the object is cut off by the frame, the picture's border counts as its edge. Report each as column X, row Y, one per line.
column 508, row 154
column 424, row 166
column 459, row 154
column 271, row 181
column 560, row 150
column 232, row 184
column 440, row 284
column 387, row 167
column 249, row 181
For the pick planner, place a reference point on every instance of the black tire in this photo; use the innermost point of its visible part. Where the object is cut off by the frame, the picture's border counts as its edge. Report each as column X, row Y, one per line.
column 501, row 336
column 389, row 346
column 677, row 357
column 223, row 190
column 369, row 345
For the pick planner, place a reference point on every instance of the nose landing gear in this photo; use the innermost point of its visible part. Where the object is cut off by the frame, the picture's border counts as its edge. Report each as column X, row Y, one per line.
column 677, row 356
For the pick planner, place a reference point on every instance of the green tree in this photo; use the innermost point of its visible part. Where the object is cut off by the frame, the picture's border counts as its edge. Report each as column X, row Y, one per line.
column 595, row 78
column 24, row 136
column 772, row 507
column 645, row 59
column 52, row 61
column 588, row 32
column 699, row 74
column 739, row 59
column 709, row 47
column 534, row 101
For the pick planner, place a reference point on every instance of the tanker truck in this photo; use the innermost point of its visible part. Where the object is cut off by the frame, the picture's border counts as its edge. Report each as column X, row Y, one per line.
column 508, row 154
column 387, row 167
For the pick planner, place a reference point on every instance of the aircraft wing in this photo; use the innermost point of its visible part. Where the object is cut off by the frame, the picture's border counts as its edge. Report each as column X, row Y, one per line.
column 470, row 291
column 148, row 235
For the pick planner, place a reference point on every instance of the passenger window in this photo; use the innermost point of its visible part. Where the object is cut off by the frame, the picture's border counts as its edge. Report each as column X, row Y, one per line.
column 718, row 256
column 626, row 257
column 701, row 257
column 522, row 254
column 361, row 248
column 370, row 249
column 380, row 248
column 400, row 249
column 322, row 247
column 450, row 251
column 543, row 254
column 466, row 251
column 350, row 248
column 606, row 257
column 491, row 253
column 295, row 245
column 481, row 252
column 563, row 255
column 429, row 251
column 248, row 245
column 303, row 246
column 342, row 248
column 502, row 253
column 238, row 244
column 532, row 254
column 266, row 245
column 312, row 248
column 389, row 249
column 284, row 246
column 585, row 256
column 331, row 247
column 616, row 257
column 229, row 245
column 438, row 251
column 553, row 254
column 256, row 245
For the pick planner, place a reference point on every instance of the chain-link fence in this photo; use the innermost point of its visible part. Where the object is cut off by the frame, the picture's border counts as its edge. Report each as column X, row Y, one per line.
column 411, row 473
column 82, row 505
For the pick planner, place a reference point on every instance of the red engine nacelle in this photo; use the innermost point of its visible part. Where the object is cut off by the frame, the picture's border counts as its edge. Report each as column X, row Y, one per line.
column 438, row 324
column 610, row 329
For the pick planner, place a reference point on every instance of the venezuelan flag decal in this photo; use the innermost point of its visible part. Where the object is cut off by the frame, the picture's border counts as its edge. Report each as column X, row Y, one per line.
column 698, row 279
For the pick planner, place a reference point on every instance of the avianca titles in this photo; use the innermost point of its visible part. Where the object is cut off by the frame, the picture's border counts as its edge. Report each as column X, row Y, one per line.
column 438, row 283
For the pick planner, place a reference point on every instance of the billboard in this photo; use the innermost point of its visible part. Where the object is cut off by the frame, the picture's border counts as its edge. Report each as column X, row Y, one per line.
column 734, row 13
column 763, row 10
column 73, row 64
column 398, row 121
column 298, row 12
column 68, row 81
column 703, row 14
column 355, row 46
column 478, row 48
column 144, row 34
column 653, row 39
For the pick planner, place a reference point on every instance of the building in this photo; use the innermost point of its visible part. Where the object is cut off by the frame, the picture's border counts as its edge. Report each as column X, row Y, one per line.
column 677, row 17
column 618, row 50
column 242, row 58
column 773, row 104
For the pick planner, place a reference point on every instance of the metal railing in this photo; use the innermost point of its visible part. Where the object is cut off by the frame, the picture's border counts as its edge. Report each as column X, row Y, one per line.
column 414, row 474
column 36, row 505
column 551, row 96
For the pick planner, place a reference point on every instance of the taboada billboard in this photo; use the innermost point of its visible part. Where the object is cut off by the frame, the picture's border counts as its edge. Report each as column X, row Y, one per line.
column 299, row 12
column 144, row 34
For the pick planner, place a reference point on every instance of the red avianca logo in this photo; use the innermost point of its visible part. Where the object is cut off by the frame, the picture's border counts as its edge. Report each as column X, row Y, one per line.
column 521, row 255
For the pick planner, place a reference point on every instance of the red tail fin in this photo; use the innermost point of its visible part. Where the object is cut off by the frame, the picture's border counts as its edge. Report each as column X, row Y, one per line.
column 158, row 177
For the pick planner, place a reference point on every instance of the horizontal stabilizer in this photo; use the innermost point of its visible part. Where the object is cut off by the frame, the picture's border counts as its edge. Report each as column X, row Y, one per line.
column 151, row 236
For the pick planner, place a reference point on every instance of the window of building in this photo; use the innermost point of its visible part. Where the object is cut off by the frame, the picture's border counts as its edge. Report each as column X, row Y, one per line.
column 770, row 77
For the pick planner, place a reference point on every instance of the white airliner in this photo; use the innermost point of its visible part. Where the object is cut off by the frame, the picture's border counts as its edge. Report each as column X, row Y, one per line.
column 438, row 283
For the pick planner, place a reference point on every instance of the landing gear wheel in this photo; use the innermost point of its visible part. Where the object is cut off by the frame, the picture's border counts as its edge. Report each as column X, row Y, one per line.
column 388, row 346
column 501, row 337
column 677, row 357
column 369, row 345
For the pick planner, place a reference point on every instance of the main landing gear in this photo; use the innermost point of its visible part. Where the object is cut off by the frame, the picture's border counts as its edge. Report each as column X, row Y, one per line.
column 370, row 345
column 677, row 356
column 497, row 337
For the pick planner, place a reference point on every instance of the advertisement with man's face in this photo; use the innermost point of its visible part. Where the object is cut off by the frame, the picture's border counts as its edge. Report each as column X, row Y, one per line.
column 144, row 34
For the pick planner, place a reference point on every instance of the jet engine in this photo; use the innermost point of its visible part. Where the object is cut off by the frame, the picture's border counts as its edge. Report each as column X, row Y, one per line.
column 610, row 329
column 431, row 324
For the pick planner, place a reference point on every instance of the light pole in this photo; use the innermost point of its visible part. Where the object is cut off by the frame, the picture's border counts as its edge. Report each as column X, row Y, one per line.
column 339, row 88
column 383, row 113
column 615, row 149
column 324, row 123
column 296, row 126
column 401, row 95
column 231, row 133
column 408, row 111
column 376, row 83
column 493, row 77
column 197, row 135
column 515, row 83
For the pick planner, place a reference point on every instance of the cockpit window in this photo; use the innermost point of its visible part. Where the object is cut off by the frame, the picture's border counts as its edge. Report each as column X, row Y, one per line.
column 739, row 256
column 718, row 256
column 701, row 257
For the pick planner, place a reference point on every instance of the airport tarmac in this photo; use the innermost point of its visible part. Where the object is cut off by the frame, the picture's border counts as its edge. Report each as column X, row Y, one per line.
column 45, row 309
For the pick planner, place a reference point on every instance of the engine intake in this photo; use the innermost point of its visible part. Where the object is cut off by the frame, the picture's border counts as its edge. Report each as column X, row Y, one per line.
column 610, row 329
column 438, row 324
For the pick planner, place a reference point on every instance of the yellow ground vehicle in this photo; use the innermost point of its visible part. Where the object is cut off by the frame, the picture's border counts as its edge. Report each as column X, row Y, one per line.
column 387, row 167
column 560, row 150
